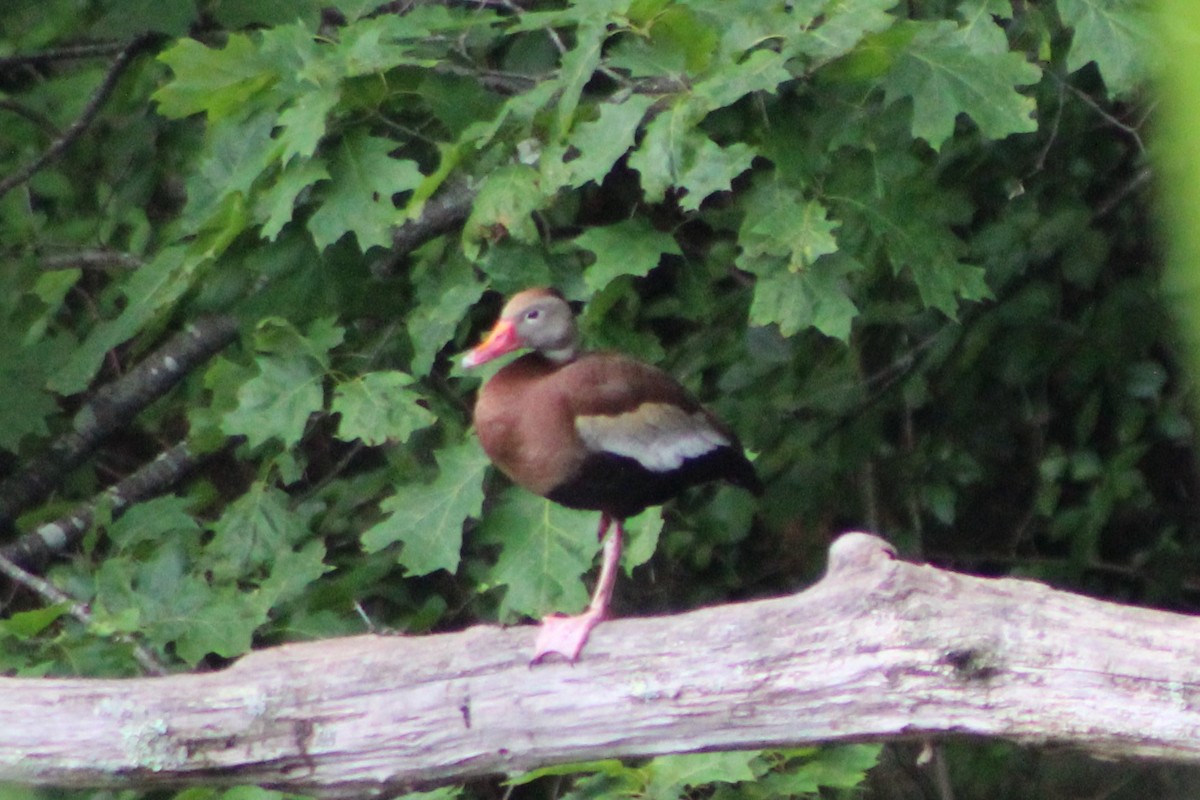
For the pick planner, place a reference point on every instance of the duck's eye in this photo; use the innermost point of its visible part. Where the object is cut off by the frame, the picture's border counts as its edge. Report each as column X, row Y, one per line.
column 532, row 314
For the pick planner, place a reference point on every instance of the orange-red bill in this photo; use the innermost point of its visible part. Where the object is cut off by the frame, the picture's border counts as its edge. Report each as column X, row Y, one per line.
column 502, row 339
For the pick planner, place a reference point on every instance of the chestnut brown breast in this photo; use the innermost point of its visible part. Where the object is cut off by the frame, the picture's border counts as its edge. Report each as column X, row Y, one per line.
column 603, row 432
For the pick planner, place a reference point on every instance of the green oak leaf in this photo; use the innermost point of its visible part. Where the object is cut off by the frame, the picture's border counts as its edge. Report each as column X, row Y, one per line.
column 631, row 247
column 446, row 290
column 240, row 16
column 219, row 83
column 359, row 201
column 152, row 289
column 164, row 600
column 780, row 222
column 942, row 283
column 671, row 775
column 761, row 71
column 149, row 520
column 816, row 296
column 457, row 101
column 745, row 25
column 220, row 621
column 519, row 109
column 277, row 402
column 944, row 77
column 578, row 66
column 843, row 26
column 287, row 389
column 980, row 30
column 276, row 205
column 302, row 125
column 659, row 156
column 127, row 19
column 545, row 550
column 512, row 266
column 25, row 405
column 278, row 336
column 710, row 168
column 292, row 571
column 253, row 531
column 504, row 207
column 238, row 152
column 374, row 45
column 641, row 539
column 673, row 153
column 428, row 518
column 379, row 406
column 834, row 767
column 609, row 767
column 22, row 625
column 915, row 224
column 1119, row 35
column 602, row 141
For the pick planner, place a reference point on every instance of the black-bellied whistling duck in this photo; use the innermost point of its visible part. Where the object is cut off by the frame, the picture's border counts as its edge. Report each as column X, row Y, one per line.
column 594, row 431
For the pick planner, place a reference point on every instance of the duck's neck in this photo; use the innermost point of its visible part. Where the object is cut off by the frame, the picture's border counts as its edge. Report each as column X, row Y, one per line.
column 562, row 355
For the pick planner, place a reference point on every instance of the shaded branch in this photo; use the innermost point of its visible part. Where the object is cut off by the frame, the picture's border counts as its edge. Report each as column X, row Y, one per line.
column 39, row 119
column 36, row 548
column 71, row 52
column 111, row 408
column 95, row 103
column 442, row 213
column 91, row 259
column 878, row 649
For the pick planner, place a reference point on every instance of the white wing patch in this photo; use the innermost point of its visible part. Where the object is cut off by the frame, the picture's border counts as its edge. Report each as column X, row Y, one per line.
column 659, row 436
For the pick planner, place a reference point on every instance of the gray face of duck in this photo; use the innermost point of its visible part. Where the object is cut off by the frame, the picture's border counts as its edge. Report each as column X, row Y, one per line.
column 539, row 319
column 544, row 323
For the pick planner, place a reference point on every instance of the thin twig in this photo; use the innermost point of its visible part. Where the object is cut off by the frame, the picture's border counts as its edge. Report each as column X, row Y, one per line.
column 883, row 380
column 1140, row 178
column 95, row 103
column 1105, row 115
column 1040, row 162
column 505, row 83
column 55, row 596
column 39, row 119
column 68, row 53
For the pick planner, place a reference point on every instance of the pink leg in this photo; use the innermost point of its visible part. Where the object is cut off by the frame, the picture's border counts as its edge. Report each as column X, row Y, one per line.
column 567, row 635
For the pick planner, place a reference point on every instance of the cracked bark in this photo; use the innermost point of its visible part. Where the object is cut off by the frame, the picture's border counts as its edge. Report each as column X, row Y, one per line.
column 878, row 649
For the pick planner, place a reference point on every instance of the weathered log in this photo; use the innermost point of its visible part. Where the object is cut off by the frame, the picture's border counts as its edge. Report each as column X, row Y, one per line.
column 878, row 649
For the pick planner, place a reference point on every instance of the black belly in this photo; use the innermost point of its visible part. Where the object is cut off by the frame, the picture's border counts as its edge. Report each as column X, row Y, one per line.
column 621, row 487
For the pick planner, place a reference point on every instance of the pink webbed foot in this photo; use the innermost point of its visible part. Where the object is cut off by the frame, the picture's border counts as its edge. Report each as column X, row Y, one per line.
column 564, row 635
column 567, row 635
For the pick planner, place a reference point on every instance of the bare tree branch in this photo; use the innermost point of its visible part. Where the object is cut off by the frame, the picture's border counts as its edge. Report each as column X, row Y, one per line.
column 442, row 213
column 91, row 259
column 37, row 547
column 95, row 103
column 878, row 649
column 113, row 407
